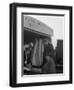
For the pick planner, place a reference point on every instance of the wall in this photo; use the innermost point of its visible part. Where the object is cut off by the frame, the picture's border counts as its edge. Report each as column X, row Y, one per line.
column 4, row 43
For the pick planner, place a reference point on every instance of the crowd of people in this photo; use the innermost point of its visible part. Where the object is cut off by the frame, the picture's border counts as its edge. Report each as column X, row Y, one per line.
column 39, row 57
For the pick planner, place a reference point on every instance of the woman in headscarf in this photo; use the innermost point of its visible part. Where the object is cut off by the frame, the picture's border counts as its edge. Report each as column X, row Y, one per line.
column 37, row 56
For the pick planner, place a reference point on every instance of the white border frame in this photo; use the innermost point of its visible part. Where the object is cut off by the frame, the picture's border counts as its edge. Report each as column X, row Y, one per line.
column 43, row 78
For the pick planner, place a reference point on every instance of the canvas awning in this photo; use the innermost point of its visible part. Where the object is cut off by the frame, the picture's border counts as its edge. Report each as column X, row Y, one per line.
column 34, row 24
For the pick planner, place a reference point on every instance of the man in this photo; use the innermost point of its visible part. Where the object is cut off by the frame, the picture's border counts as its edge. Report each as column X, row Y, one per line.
column 48, row 64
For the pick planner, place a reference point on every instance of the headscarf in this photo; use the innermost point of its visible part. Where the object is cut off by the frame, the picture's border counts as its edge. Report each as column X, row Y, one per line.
column 37, row 55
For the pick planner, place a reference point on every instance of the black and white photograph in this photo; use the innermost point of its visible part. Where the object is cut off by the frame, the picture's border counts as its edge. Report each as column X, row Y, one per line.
column 40, row 44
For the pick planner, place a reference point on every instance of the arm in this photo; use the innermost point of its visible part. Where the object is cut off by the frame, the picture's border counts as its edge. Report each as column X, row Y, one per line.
column 49, row 66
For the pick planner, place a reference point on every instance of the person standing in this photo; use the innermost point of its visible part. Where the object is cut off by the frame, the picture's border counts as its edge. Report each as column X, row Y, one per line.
column 48, row 56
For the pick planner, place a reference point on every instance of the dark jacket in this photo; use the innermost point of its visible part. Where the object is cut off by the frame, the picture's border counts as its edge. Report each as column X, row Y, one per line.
column 49, row 63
